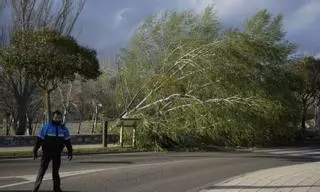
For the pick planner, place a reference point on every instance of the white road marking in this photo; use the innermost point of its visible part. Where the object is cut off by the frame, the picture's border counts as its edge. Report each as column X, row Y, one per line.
column 32, row 178
column 14, row 184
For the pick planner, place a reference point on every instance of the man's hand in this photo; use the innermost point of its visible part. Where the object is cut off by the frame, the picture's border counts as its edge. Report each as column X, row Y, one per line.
column 70, row 155
column 37, row 147
column 35, row 155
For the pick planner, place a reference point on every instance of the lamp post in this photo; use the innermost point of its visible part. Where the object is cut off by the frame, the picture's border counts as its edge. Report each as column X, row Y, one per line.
column 105, row 134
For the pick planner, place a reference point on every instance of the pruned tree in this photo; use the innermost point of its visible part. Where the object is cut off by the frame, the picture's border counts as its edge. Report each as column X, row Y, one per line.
column 49, row 58
column 29, row 15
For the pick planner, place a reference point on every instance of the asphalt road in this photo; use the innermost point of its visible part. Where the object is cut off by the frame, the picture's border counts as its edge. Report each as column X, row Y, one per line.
column 139, row 172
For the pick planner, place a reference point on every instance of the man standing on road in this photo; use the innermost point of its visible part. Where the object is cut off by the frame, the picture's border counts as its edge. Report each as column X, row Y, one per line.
column 52, row 137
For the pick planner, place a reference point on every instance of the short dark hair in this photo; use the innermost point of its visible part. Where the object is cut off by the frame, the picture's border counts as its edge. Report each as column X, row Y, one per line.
column 56, row 112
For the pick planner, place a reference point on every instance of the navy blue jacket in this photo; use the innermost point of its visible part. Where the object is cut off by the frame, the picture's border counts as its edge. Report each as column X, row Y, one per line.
column 53, row 138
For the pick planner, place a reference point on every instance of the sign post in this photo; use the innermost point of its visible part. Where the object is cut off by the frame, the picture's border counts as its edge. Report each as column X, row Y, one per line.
column 130, row 123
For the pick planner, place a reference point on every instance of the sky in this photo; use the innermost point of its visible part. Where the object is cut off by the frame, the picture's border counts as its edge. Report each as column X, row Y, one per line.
column 107, row 25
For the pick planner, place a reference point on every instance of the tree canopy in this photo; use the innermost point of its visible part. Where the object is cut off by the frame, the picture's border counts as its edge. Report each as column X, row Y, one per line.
column 49, row 58
column 59, row 15
column 230, row 85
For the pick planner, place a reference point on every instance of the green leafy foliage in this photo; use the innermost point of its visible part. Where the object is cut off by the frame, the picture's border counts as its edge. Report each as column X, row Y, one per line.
column 194, row 84
column 307, row 69
column 49, row 57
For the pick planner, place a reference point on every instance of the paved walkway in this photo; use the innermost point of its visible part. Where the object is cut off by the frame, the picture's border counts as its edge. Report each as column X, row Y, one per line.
column 296, row 178
column 5, row 149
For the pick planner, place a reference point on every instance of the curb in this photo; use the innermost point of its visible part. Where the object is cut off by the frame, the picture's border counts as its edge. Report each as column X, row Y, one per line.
column 214, row 148
column 77, row 152
column 101, row 150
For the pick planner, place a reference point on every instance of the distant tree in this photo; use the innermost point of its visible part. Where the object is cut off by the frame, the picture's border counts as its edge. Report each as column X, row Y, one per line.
column 308, row 70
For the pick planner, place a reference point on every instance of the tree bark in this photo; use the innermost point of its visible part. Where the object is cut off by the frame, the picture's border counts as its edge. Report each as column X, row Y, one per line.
column 8, row 124
column 47, row 106
column 30, row 127
column 79, row 127
column 93, row 122
column 14, row 123
column 22, row 118
column 94, row 119
column 66, row 100
column 65, row 111
column 80, row 124
column 304, row 118
column 316, row 114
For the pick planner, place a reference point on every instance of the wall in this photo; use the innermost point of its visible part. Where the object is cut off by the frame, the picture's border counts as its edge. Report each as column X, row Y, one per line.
column 19, row 141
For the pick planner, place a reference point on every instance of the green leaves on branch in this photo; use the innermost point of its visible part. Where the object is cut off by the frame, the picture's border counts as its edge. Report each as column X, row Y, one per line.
column 49, row 58
column 183, row 73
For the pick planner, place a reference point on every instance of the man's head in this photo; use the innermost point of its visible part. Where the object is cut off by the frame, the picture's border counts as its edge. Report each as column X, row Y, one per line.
column 57, row 117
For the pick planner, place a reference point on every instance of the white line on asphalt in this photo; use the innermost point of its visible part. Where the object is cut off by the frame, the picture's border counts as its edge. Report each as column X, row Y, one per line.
column 291, row 152
column 14, row 184
column 281, row 149
column 32, row 178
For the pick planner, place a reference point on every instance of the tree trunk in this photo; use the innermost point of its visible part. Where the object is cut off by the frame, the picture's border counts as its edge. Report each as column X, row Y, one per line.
column 80, row 124
column 65, row 111
column 8, row 125
column 79, row 128
column 14, row 124
column 38, row 119
column 93, row 122
column 95, row 119
column 66, row 102
column 30, row 127
column 316, row 114
column 47, row 106
column 304, row 118
column 22, row 119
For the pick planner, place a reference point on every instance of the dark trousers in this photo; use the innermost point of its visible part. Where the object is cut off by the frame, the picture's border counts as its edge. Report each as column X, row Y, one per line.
column 56, row 162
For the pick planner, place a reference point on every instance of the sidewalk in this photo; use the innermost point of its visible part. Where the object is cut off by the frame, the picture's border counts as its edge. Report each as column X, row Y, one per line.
column 296, row 178
column 18, row 149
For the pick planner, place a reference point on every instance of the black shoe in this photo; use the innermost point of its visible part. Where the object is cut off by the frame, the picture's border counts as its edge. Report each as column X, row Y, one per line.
column 57, row 190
